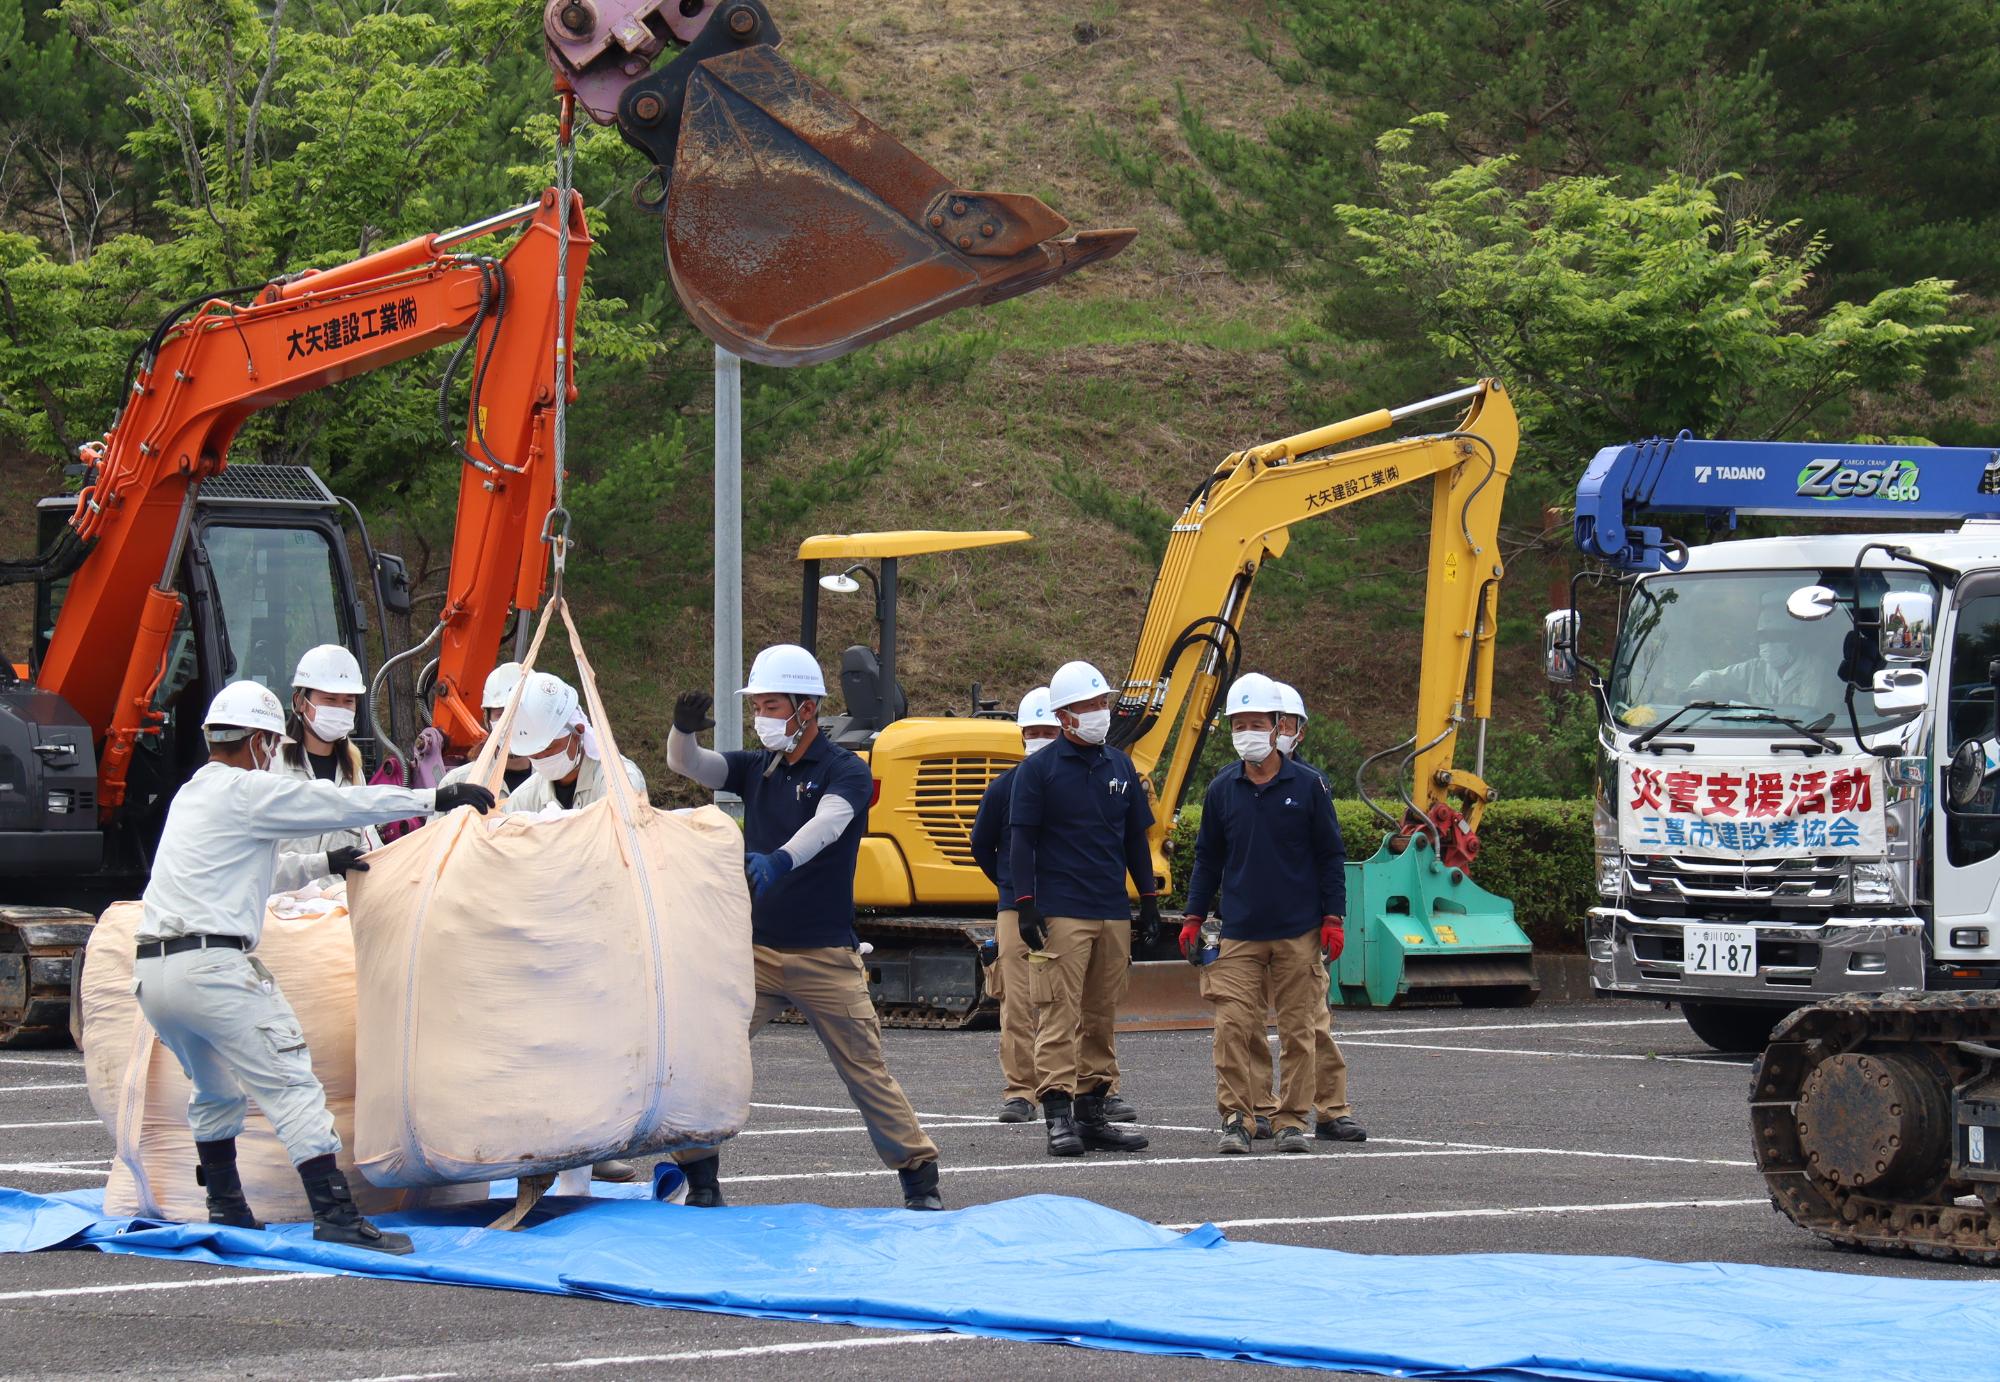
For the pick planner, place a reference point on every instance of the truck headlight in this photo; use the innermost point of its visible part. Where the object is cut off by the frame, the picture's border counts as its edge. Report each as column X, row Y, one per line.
column 1609, row 856
column 1607, row 873
column 1878, row 882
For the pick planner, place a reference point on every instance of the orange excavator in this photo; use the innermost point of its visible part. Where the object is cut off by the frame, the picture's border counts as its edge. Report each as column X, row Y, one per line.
column 796, row 230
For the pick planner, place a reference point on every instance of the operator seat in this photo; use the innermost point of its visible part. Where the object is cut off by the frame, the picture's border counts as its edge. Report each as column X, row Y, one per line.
column 860, row 678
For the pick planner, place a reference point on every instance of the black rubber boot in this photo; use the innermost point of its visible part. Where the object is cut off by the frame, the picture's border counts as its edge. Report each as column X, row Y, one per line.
column 1064, row 1139
column 335, row 1219
column 1099, row 1133
column 215, row 1172
column 920, row 1187
column 1116, row 1110
column 704, row 1182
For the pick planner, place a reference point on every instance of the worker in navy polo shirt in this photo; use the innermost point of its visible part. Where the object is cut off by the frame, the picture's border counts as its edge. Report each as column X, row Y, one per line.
column 1078, row 817
column 805, row 809
column 1270, row 841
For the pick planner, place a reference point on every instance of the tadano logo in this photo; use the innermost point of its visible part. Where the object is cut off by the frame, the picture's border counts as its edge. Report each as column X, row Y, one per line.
column 1703, row 473
column 1895, row 481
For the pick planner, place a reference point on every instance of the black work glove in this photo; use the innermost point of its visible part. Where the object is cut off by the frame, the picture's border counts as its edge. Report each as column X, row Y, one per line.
column 346, row 860
column 1034, row 931
column 1149, row 910
column 464, row 794
column 691, row 712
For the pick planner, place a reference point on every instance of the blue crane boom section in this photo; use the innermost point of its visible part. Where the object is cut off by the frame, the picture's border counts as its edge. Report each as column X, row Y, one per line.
column 1722, row 480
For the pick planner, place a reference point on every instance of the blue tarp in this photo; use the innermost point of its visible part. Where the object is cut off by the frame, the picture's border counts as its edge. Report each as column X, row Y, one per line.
column 1068, row 1270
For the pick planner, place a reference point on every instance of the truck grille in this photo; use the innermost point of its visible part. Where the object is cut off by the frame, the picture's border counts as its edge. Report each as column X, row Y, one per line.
column 1703, row 887
column 947, row 798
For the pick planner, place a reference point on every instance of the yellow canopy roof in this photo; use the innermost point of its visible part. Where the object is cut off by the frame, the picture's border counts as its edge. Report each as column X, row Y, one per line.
column 915, row 543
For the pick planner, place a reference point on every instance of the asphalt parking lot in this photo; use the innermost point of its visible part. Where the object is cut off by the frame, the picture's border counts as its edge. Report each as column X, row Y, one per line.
column 1596, row 1129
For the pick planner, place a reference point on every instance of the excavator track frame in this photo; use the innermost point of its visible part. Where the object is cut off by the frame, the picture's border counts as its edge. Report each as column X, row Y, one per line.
column 41, row 951
column 1873, row 1083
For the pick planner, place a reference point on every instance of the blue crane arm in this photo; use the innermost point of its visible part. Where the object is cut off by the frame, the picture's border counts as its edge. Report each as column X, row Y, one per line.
column 1722, row 480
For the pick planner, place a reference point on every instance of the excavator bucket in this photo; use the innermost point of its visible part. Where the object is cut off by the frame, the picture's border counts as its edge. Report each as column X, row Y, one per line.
column 796, row 228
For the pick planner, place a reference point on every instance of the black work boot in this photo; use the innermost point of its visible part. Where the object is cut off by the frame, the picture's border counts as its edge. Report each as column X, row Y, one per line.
column 704, row 1183
column 1058, row 1113
column 1116, row 1110
column 1101, row 1134
column 335, row 1219
column 920, row 1187
column 215, row 1172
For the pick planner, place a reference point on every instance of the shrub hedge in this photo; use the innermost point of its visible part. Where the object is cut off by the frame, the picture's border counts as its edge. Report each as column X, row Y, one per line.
column 1539, row 854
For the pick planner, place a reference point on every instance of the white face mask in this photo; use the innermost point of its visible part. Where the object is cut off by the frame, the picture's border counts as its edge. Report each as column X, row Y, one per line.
column 556, row 766
column 1288, row 743
column 1252, row 745
column 1031, row 747
column 330, row 723
column 776, row 735
column 1092, row 726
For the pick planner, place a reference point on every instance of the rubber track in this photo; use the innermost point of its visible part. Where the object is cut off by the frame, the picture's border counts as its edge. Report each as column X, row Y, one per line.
column 45, row 1020
column 968, row 931
column 1925, row 1025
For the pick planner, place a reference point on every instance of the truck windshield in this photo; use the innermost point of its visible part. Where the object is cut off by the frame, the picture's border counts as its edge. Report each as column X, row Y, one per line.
column 1725, row 636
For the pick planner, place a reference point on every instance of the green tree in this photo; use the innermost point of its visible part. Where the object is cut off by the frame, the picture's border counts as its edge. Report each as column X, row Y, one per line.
column 1615, row 315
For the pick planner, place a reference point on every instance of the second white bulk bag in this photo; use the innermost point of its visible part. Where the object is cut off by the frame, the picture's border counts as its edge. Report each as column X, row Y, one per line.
column 540, row 993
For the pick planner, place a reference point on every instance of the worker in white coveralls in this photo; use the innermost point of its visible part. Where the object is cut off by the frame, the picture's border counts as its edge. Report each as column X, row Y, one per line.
column 212, row 1003
column 326, row 697
column 805, row 809
column 565, row 770
column 493, row 697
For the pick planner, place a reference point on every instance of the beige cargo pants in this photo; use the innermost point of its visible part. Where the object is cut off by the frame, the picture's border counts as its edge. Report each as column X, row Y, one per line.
column 830, row 988
column 1075, row 982
column 221, row 1014
column 1312, row 1073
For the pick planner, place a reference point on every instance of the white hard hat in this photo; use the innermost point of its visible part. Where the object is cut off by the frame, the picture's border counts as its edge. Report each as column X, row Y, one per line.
column 1076, row 681
column 549, row 709
column 245, row 705
column 785, row 669
column 1034, row 712
column 1253, row 691
column 1290, row 702
column 329, row 667
column 500, row 684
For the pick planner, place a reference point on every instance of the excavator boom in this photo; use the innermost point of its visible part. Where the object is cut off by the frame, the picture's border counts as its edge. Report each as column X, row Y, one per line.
column 796, row 228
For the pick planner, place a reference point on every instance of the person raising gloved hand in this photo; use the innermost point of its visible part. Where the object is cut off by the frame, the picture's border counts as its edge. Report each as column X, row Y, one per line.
column 805, row 809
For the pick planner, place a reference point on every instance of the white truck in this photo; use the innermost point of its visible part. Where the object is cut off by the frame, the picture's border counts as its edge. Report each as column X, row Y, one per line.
column 1799, row 737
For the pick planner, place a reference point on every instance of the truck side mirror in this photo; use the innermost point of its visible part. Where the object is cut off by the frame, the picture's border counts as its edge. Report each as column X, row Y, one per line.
column 1560, row 629
column 1901, row 690
column 392, row 583
column 1908, row 620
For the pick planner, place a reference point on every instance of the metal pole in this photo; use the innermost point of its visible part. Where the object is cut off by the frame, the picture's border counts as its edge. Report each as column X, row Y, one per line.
column 728, row 555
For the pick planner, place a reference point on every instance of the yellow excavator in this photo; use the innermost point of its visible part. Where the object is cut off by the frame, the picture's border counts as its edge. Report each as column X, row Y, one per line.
column 1416, row 920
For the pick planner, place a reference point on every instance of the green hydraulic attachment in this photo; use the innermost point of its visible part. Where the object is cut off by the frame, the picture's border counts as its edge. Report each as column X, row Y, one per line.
column 1418, row 927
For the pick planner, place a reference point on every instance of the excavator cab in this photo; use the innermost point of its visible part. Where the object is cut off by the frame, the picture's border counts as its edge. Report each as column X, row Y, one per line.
column 796, row 228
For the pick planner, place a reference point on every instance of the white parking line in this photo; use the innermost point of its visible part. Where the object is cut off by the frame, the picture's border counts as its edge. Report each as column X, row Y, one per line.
column 252, row 1279
column 35, row 1088
column 703, row 1355
column 73, row 1062
column 60, row 1123
column 849, row 1109
column 1513, row 1026
column 404, row 1377
column 1550, row 1055
column 50, row 1168
column 1509, row 1212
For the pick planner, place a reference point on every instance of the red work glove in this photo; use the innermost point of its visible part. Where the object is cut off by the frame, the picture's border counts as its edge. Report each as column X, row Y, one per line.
column 1190, row 937
column 1332, row 940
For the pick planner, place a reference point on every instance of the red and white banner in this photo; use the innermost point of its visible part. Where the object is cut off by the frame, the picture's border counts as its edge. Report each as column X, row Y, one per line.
column 1718, row 808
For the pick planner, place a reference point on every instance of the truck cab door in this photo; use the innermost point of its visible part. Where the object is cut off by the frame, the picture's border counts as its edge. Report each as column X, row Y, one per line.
column 1967, row 835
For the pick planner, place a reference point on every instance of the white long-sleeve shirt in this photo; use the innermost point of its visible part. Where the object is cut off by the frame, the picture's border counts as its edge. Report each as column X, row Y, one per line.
column 303, row 860
column 538, row 793
column 219, row 851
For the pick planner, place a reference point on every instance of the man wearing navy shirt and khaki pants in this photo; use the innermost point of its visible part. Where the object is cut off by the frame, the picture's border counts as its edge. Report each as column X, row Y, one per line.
column 805, row 809
column 1078, row 817
column 1269, row 839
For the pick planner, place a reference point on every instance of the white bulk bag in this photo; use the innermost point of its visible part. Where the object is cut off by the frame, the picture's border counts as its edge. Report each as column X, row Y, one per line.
column 541, row 993
column 137, row 1087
